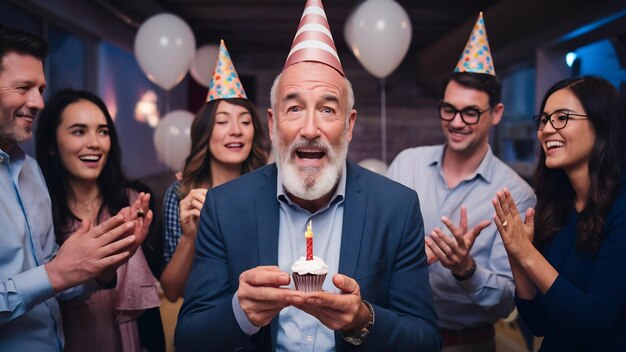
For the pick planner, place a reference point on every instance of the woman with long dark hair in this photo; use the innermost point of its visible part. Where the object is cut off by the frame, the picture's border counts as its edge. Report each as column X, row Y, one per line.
column 227, row 140
column 79, row 154
column 570, row 286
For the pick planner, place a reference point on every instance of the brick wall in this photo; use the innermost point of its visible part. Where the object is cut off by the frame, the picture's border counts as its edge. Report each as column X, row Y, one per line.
column 406, row 128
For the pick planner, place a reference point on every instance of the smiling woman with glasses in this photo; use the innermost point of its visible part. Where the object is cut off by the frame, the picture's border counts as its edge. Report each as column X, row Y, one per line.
column 558, row 119
column 568, row 256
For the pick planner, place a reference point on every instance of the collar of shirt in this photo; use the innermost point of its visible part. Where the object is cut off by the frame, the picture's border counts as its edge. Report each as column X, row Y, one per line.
column 485, row 169
column 14, row 161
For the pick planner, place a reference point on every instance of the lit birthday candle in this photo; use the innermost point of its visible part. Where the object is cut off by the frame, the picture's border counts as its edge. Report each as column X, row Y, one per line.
column 308, row 235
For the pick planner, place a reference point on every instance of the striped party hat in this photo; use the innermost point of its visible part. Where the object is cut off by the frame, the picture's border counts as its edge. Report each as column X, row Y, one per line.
column 225, row 82
column 476, row 56
column 313, row 40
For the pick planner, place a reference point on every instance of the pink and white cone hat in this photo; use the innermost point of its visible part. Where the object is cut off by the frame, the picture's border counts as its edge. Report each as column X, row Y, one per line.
column 225, row 82
column 313, row 40
column 476, row 56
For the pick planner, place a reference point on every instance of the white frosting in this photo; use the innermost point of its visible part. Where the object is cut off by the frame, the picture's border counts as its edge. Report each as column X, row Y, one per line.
column 315, row 266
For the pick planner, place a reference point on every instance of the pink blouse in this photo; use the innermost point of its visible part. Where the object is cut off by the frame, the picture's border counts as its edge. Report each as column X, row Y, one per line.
column 107, row 319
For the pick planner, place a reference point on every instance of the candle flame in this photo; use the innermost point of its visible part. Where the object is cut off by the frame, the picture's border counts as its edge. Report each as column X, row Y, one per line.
column 309, row 232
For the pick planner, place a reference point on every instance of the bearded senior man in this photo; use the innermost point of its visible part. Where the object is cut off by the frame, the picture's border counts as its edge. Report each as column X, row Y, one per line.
column 367, row 228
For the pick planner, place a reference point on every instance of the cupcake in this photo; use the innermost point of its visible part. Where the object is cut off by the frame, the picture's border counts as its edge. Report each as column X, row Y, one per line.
column 309, row 275
column 309, row 272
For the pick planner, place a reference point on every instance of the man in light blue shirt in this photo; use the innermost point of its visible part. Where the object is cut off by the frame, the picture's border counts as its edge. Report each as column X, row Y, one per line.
column 469, row 273
column 32, row 269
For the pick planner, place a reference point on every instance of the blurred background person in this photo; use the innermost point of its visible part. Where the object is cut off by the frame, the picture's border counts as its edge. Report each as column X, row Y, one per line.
column 79, row 154
column 569, row 286
column 227, row 140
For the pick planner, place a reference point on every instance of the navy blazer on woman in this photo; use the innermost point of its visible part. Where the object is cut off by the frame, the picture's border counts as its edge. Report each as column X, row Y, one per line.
column 585, row 308
column 382, row 247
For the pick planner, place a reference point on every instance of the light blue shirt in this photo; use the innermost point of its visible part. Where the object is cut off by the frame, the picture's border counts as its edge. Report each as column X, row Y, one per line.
column 488, row 295
column 30, row 319
column 297, row 330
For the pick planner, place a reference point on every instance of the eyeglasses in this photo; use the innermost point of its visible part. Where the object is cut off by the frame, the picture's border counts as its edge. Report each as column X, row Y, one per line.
column 558, row 119
column 469, row 116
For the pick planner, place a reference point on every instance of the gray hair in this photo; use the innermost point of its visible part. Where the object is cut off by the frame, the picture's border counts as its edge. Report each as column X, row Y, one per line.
column 350, row 104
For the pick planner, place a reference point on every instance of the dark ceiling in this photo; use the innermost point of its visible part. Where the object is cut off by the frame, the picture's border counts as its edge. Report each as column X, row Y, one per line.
column 259, row 33
column 255, row 27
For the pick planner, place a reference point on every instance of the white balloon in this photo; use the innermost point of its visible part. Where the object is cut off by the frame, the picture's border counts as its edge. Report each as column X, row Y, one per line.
column 164, row 48
column 374, row 165
column 380, row 31
column 172, row 138
column 204, row 63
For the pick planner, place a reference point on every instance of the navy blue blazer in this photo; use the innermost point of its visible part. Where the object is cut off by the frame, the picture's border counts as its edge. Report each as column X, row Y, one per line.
column 382, row 248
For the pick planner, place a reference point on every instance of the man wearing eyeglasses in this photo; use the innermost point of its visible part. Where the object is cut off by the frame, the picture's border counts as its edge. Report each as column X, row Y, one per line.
column 470, row 274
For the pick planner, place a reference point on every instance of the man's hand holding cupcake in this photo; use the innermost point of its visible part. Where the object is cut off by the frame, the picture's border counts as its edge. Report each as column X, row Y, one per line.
column 262, row 293
column 343, row 311
column 261, row 296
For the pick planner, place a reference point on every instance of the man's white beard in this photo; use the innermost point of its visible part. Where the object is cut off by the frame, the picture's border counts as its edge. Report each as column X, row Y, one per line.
column 310, row 183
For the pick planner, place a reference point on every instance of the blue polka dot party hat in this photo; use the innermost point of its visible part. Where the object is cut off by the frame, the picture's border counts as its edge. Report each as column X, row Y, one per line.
column 476, row 56
column 225, row 82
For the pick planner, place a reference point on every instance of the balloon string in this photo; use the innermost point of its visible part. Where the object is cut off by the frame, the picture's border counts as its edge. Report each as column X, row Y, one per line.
column 168, row 148
column 167, row 102
column 383, row 121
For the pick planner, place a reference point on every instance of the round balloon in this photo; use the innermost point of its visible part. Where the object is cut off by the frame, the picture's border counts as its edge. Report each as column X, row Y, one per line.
column 172, row 138
column 203, row 64
column 380, row 32
column 164, row 48
column 374, row 165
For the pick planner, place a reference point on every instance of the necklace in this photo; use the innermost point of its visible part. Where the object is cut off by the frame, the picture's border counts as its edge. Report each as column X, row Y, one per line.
column 89, row 206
